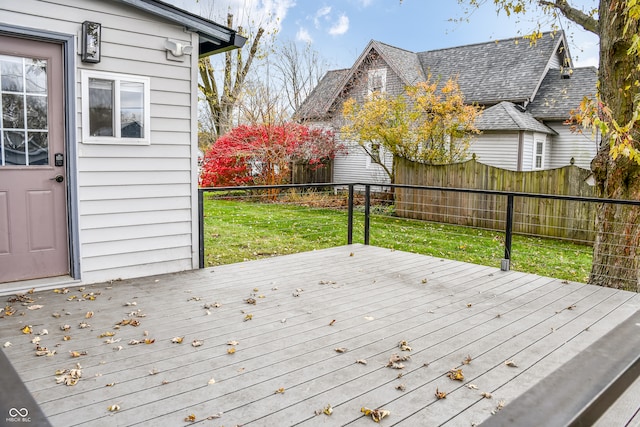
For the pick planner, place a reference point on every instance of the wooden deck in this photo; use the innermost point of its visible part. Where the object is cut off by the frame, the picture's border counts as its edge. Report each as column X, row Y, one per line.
column 285, row 369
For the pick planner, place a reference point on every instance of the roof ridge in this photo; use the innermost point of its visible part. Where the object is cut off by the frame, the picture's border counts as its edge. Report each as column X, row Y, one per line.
column 488, row 42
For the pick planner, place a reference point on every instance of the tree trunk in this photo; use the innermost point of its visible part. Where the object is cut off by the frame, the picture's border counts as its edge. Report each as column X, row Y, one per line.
column 616, row 260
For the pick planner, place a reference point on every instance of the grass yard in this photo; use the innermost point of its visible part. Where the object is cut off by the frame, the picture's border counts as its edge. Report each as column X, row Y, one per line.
column 237, row 230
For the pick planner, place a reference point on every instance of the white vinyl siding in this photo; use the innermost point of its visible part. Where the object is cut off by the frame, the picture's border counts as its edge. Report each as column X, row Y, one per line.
column 496, row 149
column 137, row 203
column 357, row 167
column 582, row 147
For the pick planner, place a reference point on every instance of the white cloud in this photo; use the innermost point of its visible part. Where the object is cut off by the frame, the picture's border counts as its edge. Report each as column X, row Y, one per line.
column 321, row 13
column 304, row 36
column 340, row 27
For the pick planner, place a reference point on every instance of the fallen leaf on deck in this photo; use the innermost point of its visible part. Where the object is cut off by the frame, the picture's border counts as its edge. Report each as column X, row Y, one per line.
column 376, row 414
column 351, row 254
column 401, row 387
column 212, row 305
column 134, row 342
column 361, row 361
column 177, row 340
column 424, row 281
column 7, row 344
column 499, row 407
column 110, row 385
column 113, row 408
column 56, row 315
column 211, row 381
column 65, row 327
column 456, row 374
column 197, row 343
column 164, row 382
column 27, row 330
column 469, row 305
column 35, row 340
column 154, row 371
column 511, row 363
column 394, row 361
column 43, row 332
column 231, row 350
column 248, row 317
column 106, row 334
column 191, row 418
column 232, row 343
column 194, row 299
column 214, row 416
column 368, row 318
column 404, row 346
column 340, row 350
column 441, row 394
column 328, row 410
column 332, row 322
column 128, row 304
column 280, row 390
column 61, row 291
column 84, row 325
column 251, row 301
column 145, row 333
column 9, row 311
column 89, row 315
column 149, row 340
column 34, row 307
column 66, row 338
column 327, row 282
column 467, row 360
column 486, row 395
column 472, row 386
column 78, row 353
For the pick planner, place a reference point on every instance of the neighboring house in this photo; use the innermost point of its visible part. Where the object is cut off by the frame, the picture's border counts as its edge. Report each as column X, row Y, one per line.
column 527, row 92
column 98, row 139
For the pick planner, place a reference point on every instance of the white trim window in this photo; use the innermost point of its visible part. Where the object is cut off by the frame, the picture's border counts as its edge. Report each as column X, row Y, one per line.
column 115, row 108
column 538, row 153
column 377, row 81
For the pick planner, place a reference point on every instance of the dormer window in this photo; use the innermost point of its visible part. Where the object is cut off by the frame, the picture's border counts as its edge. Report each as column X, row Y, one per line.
column 377, row 80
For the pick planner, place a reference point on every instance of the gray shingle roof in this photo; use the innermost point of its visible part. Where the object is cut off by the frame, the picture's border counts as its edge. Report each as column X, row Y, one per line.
column 322, row 96
column 405, row 63
column 508, row 116
column 503, row 70
column 557, row 96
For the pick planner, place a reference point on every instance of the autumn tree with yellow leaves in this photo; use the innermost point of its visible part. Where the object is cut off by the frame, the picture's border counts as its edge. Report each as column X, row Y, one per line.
column 428, row 124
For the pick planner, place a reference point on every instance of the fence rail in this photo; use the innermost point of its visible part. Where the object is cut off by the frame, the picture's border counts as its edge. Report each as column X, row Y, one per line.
column 493, row 210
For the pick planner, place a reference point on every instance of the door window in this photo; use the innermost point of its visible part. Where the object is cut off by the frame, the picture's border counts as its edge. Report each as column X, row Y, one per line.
column 24, row 138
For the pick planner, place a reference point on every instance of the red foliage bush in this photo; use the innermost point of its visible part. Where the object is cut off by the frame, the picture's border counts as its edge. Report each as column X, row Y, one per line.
column 262, row 154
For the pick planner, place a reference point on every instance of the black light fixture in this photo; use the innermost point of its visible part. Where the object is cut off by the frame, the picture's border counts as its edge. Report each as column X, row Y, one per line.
column 91, row 35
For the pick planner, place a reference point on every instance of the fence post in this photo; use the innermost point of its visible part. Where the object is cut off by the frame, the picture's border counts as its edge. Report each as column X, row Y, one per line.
column 201, row 228
column 350, row 217
column 505, row 264
column 367, row 203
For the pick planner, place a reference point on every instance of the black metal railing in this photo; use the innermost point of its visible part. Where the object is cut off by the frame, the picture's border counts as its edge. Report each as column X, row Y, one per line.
column 502, row 213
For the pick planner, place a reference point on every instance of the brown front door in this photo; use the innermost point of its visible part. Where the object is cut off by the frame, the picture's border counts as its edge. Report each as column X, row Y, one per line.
column 34, row 239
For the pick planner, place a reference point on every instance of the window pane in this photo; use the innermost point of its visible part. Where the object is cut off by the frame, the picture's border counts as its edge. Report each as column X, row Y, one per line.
column 36, row 112
column 14, row 148
column 538, row 162
column 38, row 148
column 11, row 74
column 12, row 111
column 36, row 75
column 100, row 107
column 132, row 110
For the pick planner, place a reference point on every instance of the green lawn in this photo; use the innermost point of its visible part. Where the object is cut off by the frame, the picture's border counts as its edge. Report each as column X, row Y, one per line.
column 238, row 230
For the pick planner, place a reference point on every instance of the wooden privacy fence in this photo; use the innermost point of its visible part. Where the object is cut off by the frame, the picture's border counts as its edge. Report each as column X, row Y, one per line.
column 304, row 173
column 564, row 219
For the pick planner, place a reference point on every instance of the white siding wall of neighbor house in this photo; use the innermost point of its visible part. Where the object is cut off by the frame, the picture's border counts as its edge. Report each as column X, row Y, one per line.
column 581, row 146
column 527, row 151
column 136, row 202
column 496, row 149
column 355, row 167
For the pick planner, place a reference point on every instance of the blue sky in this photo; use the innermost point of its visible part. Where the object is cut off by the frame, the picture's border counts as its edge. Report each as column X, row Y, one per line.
column 340, row 29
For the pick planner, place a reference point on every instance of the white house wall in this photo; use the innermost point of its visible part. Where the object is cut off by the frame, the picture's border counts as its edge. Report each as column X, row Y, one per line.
column 580, row 146
column 496, row 149
column 356, row 167
column 136, row 203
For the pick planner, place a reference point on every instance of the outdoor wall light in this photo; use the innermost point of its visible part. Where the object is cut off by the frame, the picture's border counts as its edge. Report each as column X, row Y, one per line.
column 176, row 50
column 91, row 35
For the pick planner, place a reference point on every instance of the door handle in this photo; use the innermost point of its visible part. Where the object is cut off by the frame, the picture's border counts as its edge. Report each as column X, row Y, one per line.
column 57, row 178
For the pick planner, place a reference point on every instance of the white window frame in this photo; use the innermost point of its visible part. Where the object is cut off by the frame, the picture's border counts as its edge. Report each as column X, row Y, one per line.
column 372, row 76
column 87, row 138
column 537, row 154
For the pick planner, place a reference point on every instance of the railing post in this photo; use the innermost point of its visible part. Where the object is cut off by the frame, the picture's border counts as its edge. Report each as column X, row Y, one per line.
column 201, row 228
column 350, row 217
column 367, row 204
column 505, row 265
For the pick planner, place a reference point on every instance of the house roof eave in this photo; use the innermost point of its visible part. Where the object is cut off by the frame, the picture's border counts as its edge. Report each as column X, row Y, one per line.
column 214, row 38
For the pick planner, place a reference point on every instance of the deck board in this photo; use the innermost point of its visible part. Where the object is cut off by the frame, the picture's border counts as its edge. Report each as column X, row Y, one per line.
column 362, row 298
